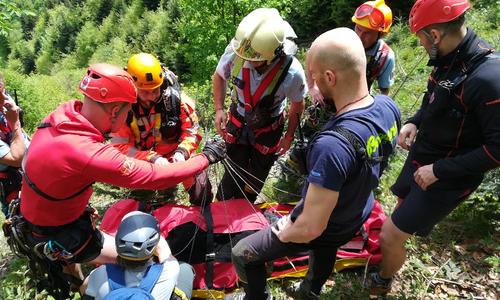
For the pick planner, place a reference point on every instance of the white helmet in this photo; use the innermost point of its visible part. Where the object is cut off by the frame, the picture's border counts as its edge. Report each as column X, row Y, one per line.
column 260, row 35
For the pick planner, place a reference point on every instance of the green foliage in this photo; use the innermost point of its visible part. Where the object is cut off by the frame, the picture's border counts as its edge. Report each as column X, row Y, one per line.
column 207, row 27
column 327, row 15
column 160, row 37
column 41, row 94
column 115, row 52
column 22, row 57
column 9, row 13
column 87, row 40
column 17, row 285
column 96, row 11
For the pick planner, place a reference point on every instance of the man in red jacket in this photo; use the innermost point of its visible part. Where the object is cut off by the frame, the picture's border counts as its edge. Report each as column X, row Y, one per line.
column 68, row 154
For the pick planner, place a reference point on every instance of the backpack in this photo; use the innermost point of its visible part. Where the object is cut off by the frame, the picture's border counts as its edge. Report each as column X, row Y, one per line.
column 118, row 289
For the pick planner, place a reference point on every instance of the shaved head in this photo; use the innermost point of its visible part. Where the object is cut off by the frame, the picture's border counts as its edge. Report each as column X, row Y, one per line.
column 341, row 50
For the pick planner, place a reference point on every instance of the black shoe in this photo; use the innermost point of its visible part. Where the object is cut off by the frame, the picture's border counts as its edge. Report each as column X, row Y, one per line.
column 298, row 292
column 376, row 285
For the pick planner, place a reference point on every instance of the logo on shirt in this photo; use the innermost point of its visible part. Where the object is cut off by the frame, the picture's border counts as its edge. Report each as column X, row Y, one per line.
column 127, row 166
column 315, row 173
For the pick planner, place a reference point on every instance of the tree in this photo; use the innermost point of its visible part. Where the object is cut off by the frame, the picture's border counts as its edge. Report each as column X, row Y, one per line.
column 10, row 12
column 207, row 26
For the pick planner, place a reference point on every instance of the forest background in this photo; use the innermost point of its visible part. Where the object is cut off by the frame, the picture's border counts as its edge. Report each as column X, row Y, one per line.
column 45, row 46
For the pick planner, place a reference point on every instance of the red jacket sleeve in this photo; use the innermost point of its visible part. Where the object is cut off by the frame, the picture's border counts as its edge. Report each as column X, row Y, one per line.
column 109, row 165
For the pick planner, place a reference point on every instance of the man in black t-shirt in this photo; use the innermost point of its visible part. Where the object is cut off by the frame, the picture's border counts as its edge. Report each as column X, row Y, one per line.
column 453, row 139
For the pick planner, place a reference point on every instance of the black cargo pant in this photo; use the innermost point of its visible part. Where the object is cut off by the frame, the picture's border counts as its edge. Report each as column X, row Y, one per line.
column 251, row 254
column 248, row 158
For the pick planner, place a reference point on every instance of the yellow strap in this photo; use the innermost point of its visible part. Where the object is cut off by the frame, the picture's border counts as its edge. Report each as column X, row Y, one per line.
column 340, row 264
column 348, row 263
column 157, row 131
column 180, row 293
column 135, row 129
column 238, row 64
column 208, row 294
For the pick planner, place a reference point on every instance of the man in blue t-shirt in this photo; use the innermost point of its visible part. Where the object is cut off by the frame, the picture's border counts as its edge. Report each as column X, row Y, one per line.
column 338, row 195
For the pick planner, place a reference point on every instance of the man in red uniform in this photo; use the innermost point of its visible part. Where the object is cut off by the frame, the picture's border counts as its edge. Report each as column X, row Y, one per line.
column 68, row 154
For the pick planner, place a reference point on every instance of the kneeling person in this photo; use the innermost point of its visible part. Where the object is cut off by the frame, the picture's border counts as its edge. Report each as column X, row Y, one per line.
column 338, row 196
column 162, row 126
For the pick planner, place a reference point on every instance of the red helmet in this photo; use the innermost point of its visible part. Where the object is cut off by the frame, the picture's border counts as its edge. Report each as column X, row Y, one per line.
column 427, row 12
column 106, row 83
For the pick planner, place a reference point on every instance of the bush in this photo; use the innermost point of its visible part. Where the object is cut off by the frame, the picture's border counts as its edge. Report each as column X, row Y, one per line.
column 41, row 94
column 115, row 52
column 87, row 41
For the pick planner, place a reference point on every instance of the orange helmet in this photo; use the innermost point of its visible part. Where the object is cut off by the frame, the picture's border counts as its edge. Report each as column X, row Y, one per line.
column 107, row 83
column 375, row 15
column 427, row 12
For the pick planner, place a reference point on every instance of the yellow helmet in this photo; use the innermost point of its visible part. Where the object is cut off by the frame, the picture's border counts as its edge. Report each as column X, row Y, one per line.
column 375, row 15
column 260, row 35
column 146, row 71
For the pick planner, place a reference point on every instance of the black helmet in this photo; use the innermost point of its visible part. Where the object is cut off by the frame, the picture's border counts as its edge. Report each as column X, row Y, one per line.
column 137, row 236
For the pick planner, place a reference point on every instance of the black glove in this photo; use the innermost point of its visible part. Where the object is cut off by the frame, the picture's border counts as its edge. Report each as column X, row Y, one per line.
column 215, row 150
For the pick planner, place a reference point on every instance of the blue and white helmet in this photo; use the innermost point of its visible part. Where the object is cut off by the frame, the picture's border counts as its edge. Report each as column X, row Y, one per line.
column 137, row 236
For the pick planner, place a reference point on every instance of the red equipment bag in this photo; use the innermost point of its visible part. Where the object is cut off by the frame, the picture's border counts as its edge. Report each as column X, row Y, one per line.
column 200, row 236
column 204, row 237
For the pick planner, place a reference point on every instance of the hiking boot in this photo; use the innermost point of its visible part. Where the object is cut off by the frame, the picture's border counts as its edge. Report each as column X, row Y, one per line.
column 376, row 285
column 298, row 291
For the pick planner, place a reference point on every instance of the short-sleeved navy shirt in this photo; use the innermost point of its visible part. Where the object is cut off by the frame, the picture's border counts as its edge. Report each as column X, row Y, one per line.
column 333, row 164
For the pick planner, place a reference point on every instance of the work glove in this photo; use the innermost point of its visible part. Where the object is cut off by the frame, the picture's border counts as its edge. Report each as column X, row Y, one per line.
column 215, row 150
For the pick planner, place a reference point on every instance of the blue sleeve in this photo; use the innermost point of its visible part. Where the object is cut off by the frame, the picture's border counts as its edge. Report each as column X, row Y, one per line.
column 386, row 77
column 330, row 161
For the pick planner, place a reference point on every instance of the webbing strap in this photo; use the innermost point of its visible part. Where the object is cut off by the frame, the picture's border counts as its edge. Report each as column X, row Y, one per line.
column 358, row 147
column 152, row 275
column 210, row 256
column 265, row 150
column 33, row 185
column 252, row 100
column 40, row 192
column 116, row 277
column 238, row 64
column 353, row 140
